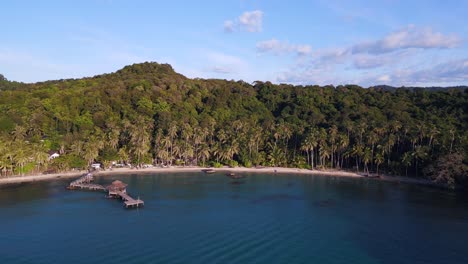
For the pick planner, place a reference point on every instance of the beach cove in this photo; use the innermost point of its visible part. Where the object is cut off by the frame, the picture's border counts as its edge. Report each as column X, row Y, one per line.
column 264, row 217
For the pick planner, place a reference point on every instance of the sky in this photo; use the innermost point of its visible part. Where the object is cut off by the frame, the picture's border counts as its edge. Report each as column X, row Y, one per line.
column 399, row 43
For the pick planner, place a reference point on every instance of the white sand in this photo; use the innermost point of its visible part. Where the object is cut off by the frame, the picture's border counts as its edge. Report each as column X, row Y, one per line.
column 41, row 177
column 227, row 169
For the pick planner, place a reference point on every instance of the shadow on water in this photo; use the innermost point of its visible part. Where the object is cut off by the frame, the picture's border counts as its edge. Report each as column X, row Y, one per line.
column 325, row 203
column 237, row 182
column 27, row 192
column 277, row 197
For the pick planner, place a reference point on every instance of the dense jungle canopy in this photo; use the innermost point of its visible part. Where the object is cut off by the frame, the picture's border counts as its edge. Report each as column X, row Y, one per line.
column 148, row 113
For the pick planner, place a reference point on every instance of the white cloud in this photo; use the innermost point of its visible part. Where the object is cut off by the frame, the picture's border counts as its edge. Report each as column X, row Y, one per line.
column 250, row 21
column 407, row 38
column 368, row 61
column 454, row 71
column 388, row 50
column 331, row 56
column 281, row 47
column 220, row 69
column 218, row 62
column 384, row 78
column 229, row 26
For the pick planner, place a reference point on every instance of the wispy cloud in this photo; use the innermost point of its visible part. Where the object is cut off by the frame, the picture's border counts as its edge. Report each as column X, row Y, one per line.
column 374, row 54
column 250, row 21
column 367, row 63
column 453, row 71
column 407, row 38
column 281, row 47
column 219, row 62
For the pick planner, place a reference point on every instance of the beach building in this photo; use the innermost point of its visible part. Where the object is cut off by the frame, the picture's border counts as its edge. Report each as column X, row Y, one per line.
column 53, row 154
column 116, row 188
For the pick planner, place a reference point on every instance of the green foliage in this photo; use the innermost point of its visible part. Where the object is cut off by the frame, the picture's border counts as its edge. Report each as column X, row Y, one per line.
column 247, row 164
column 233, row 163
column 67, row 162
column 147, row 113
column 216, row 165
column 28, row 167
column 451, row 170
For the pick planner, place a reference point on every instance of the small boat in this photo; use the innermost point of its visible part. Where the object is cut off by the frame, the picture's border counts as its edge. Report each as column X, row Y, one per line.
column 234, row 176
column 209, row 171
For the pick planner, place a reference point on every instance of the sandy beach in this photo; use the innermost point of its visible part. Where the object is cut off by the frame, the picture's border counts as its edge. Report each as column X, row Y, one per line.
column 39, row 177
column 279, row 170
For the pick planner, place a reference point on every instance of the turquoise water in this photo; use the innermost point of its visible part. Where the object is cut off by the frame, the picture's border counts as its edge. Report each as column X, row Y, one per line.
column 198, row 218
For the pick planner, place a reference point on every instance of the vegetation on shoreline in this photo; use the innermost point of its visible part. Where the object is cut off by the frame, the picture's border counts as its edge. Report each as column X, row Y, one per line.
column 147, row 113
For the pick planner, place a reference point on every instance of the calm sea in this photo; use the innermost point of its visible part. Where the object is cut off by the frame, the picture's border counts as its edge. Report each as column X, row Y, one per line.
column 198, row 218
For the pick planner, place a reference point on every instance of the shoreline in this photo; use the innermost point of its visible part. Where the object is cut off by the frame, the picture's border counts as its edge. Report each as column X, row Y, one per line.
column 12, row 180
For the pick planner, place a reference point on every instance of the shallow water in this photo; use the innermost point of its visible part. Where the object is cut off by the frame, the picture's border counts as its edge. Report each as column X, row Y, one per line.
column 199, row 218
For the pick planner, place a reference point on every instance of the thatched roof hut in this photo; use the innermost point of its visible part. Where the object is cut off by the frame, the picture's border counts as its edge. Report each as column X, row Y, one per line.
column 117, row 186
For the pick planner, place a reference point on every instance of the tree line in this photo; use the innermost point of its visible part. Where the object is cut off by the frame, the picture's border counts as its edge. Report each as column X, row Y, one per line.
column 147, row 113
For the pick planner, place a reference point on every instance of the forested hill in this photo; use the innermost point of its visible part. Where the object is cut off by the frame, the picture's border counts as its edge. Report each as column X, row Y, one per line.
column 148, row 113
column 411, row 88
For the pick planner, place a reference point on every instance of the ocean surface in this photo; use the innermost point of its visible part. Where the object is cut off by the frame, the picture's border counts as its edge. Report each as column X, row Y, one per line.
column 264, row 218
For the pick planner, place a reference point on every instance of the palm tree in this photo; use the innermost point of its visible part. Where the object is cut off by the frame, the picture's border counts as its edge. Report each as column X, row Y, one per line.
column 112, row 138
column 343, row 143
column 275, row 155
column 357, row 153
column 8, row 156
column 333, row 137
column 361, row 129
column 305, row 147
column 19, row 133
column 140, row 139
column 372, row 139
column 324, row 154
column 390, row 142
column 452, row 134
column 309, row 145
column 187, row 154
column 204, row 153
column 39, row 155
column 90, row 152
column 378, row 159
column 123, row 155
column 433, row 132
column 366, row 158
column 166, row 143
column 78, row 147
column 21, row 158
column 407, row 159
column 172, row 133
column 163, row 155
column 419, row 154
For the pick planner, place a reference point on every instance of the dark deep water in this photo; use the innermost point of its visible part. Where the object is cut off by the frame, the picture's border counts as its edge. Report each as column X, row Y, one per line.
column 198, row 218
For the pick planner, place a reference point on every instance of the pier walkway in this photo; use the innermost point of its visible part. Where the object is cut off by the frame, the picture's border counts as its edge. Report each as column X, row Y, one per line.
column 85, row 182
column 129, row 201
column 117, row 189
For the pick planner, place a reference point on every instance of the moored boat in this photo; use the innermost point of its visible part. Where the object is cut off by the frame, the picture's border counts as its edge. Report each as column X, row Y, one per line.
column 232, row 175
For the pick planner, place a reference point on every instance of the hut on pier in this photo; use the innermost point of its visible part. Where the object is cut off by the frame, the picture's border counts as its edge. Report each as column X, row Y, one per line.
column 116, row 188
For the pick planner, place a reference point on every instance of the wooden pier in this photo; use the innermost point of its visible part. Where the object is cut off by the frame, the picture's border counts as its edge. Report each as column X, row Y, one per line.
column 116, row 190
column 85, row 182
column 129, row 201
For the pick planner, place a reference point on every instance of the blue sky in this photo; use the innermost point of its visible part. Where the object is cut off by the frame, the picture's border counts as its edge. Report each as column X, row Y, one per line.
column 301, row 42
